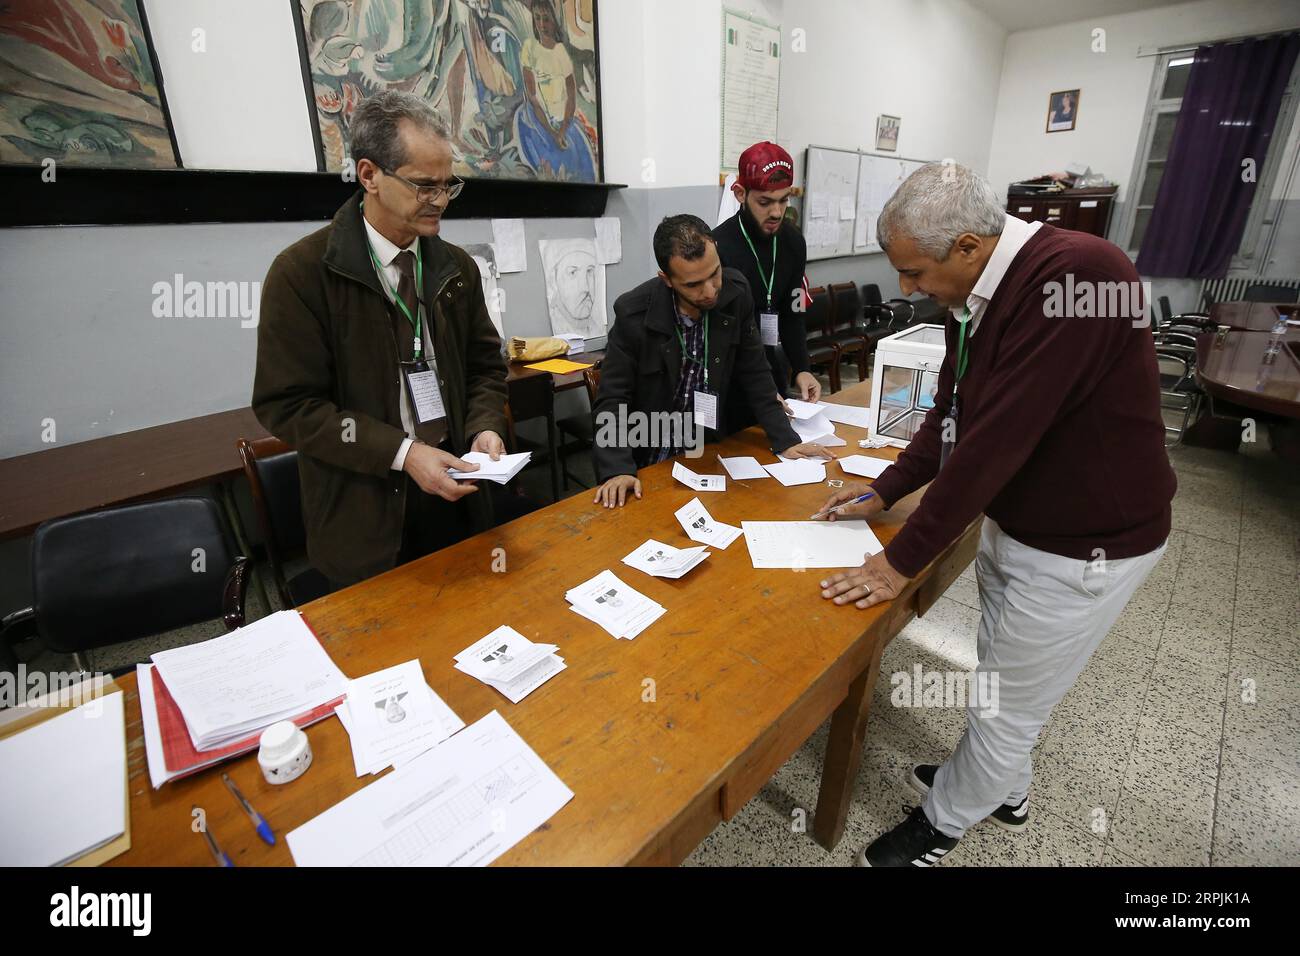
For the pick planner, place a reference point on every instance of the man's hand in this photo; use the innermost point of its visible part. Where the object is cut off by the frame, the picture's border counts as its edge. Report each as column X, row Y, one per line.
column 851, row 490
column 490, row 444
column 808, row 449
column 789, row 412
column 613, row 493
column 873, row 583
column 428, row 466
column 809, row 388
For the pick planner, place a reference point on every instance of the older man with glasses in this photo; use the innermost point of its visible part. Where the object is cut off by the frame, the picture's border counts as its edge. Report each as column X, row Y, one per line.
column 377, row 360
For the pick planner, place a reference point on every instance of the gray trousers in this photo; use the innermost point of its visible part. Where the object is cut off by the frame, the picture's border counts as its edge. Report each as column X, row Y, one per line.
column 1042, row 617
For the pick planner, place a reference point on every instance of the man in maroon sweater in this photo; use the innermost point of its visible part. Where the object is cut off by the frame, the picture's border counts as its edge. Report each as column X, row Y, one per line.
column 1047, row 421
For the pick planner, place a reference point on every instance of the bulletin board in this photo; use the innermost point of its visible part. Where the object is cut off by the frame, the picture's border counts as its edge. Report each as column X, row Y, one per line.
column 844, row 192
column 878, row 178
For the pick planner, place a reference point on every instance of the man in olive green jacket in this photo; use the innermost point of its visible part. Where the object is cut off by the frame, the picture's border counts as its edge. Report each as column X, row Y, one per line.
column 335, row 352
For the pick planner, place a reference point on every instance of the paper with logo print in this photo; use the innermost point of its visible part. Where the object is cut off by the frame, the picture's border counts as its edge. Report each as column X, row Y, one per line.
column 698, row 482
column 810, row 544
column 701, row 526
column 510, row 662
column 622, row 611
column 663, row 560
column 393, row 714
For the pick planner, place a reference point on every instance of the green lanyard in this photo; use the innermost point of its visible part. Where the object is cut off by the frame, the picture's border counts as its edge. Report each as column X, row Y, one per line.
column 962, row 356
column 682, row 339
column 770, row 277
column 416, row 320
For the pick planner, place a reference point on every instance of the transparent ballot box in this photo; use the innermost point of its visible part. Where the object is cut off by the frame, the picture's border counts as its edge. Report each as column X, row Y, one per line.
column 904, row 382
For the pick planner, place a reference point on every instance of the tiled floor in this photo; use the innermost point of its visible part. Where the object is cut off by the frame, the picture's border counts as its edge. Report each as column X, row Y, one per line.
column 1179, row 745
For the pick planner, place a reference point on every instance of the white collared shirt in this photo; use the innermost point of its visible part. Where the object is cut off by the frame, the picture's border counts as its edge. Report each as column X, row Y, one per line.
column 386, row 252
column 1015, row 233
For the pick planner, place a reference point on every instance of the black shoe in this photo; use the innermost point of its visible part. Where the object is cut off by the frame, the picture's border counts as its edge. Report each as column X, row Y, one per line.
column 912, row 843
column 1006, row 816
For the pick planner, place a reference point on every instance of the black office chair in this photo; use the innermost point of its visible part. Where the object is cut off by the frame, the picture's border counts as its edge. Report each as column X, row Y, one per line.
column 130, row 572
column 1271, row 292
column 271, row 468
column 848, row 328
column 1190, row 323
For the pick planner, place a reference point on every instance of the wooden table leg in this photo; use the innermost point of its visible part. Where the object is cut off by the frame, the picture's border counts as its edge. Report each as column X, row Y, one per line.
column 844, row 755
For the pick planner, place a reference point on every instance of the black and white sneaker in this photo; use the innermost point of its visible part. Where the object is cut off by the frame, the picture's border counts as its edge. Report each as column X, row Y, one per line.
column 1008, row 817
column 914, row 842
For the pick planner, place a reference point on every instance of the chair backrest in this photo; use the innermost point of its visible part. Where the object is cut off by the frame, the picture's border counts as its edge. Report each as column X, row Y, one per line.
column 817, row 317
column 871, row 294
column 591, row 378
column 848, row 307
column 134, row 571
column 532, row 396
column 271, row 468
column 1266, row 292
column 1166, row 310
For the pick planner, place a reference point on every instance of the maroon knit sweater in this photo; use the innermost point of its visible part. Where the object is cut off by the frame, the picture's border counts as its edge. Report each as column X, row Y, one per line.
column 1059, row 438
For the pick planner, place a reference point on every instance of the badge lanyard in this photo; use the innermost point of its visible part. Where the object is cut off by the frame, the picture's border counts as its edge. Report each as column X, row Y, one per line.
column 771, row 276
column 950, row 420
column 682, row 339
column 417, row 320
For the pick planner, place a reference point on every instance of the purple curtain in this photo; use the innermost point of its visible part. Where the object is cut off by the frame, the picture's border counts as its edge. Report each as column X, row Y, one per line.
column 1229, row 110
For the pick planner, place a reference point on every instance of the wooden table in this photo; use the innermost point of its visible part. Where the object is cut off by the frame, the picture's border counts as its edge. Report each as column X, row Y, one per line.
column 1252, row 316
column 117, row 469
column 1232, row 369
column 660, row 738
column 562, row 381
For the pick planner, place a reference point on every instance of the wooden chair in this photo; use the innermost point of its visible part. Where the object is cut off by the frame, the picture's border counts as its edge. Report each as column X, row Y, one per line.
column 847, row 328
column 822, row 350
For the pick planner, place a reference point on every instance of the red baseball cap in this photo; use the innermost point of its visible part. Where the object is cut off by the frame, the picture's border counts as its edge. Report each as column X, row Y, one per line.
column 765, row 166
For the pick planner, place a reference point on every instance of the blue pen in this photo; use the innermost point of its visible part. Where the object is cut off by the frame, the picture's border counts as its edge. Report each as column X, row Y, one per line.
column 261, row 826
column 856, row 501
column 217, row 854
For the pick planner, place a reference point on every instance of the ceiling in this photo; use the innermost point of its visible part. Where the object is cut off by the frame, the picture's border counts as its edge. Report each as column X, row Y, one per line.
column 1031, row 14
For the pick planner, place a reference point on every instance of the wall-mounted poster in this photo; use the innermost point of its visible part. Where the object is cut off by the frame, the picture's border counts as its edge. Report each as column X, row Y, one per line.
column 1062, row 111
column 575, row 286
column 517, row 80
column 484, row 255
column 80, row 86
column 887, row 132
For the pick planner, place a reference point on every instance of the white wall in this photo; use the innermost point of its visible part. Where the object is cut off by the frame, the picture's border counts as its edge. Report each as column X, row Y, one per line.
column 1114, row 85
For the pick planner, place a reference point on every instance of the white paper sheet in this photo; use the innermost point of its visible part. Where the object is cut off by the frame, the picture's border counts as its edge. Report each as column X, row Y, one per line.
column 701, row 526
column 698, row 482
column 392, row 714
column 809, row 544
column 864, row 465
column 464, row 803
column 743, row 468
column 663, row 560
column 803, row 410
column 817, row 428
column 609, row 240
column 508, row 238
column 500, row 471
column 847, row 414
column 799, row 471
column 621, row 610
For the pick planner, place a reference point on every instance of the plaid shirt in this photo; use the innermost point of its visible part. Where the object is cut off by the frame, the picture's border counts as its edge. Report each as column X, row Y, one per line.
column 693, row 364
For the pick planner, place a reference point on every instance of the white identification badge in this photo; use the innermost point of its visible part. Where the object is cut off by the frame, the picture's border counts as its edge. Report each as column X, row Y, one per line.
column 424, row 393
column 767, row 323
column 706, row 409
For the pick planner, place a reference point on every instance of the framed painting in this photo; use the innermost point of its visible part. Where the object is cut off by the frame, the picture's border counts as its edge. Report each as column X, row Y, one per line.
column 1062, row 111
column 518, row 81
column 81, row 86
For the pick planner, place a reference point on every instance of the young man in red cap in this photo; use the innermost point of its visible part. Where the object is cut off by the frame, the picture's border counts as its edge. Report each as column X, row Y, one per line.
column 771, row 254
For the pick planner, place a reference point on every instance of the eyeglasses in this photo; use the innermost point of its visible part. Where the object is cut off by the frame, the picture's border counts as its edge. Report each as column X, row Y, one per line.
column 429, row 194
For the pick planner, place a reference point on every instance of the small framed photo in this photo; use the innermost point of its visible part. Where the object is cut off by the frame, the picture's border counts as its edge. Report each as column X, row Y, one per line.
column 887, row 132
column 1062, row 111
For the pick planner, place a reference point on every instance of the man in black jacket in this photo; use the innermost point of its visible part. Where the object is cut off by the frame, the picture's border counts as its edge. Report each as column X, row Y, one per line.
column 680, row 346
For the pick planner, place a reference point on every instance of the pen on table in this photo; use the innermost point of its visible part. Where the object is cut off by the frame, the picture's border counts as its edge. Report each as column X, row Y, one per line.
column 217, row 854
column 260, row 825
column 856, row 501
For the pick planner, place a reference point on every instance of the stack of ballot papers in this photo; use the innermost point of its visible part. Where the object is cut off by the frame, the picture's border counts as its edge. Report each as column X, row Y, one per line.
column 810, row 544
column 701, row 526
column 463, row 803
column 619, row 609
column 698, row 482
column 798, row 471
column 393, row 716
column 511, row 663
column 245, row 681
column 864, row 465
column 500, row 471
column 663, row 560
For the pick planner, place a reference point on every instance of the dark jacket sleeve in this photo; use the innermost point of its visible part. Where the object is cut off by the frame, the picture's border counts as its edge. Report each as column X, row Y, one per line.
column 618, row 374
column 794, row 335
column 753, row 376
column 293, row 384
column 485, row 369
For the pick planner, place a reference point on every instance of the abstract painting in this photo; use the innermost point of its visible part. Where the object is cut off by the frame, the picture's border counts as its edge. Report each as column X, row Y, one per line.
column 516, row 80
column 575, row 287
column 78, row 85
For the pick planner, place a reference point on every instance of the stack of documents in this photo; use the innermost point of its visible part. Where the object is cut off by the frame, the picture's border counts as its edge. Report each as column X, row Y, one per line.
column 864, row 465
column 663, row 560
column 798, row 471
column 619, row 609
column 701, row 526
column 698, row 482
column 463, row 803
column 393, row 716
column 500, row 471
column 510, row 663
column 809, row 544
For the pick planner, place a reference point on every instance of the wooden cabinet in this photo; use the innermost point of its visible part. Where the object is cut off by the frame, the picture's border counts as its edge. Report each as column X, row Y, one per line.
column 1084, row 210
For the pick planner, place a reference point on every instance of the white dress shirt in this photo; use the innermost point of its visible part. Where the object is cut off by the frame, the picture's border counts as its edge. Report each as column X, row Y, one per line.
column 1015, row 233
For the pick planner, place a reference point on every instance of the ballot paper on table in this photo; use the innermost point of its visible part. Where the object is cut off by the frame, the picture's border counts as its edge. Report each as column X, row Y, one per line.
column 463, row 803
column 619, row 609
column 701, row 526
column 802, row 410
column 510, row 662
column 809, row 544
column 392, row 715
column 817, row 428
column 847, row 414
column 244, row 681
column 663, row 560
column 698, row 482
column 864, row 465
column 798, row 471
column 743, row 467
column 500, row 471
